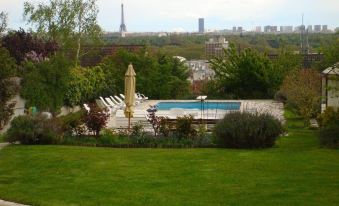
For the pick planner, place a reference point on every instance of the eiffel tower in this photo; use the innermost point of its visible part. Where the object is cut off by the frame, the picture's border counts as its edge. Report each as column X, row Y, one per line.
column 122, row 25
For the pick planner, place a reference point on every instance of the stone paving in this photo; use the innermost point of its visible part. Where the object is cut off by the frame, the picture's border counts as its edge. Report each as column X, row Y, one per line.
column 5, row 203
column 2, row 202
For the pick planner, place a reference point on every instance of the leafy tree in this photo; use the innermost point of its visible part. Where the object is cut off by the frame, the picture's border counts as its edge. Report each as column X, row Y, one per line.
column 20, row 44
column 331, row 54
column 286, row 62
column 45, row 83
column 85, row 84
column 247, row 74
column 65, row 21
column 158, row 75
column 3, row 21
column 7, row 86
column 303, row 91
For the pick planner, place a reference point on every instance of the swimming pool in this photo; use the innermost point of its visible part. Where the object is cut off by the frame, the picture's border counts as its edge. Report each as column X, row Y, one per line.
column 198, row 105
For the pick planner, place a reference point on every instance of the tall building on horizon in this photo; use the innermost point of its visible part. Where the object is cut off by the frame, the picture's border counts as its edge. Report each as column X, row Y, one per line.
column 123, row 28
column 317, row 28
column 201, row 25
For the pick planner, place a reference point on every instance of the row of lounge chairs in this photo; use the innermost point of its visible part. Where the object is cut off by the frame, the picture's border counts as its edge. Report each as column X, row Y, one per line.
column 114, row 103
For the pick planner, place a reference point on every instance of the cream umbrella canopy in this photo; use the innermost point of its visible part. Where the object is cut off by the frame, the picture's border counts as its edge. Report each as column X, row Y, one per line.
column 129, row 93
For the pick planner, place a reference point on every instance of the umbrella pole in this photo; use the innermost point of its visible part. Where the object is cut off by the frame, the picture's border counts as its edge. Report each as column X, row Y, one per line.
column 129, row 121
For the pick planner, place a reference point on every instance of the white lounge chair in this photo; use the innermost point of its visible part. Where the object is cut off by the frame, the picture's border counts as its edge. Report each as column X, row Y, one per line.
column 119, row 100
column 110, row 108
column 87, row 108
column 137, row 100
column 120, row 105
column 111, row 103
column 142, row 96
column 122, row 101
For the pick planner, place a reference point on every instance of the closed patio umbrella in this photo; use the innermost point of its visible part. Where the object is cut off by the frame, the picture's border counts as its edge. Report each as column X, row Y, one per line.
column 129, row 93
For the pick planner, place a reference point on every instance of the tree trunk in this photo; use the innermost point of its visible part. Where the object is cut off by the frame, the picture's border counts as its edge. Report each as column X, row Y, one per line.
column 78, row 51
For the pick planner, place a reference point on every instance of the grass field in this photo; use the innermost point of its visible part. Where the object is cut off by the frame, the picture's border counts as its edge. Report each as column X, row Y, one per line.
column 296, row 172
column 2, row 138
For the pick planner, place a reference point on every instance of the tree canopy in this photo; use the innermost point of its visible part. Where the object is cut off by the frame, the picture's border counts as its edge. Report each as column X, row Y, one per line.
column 158, row 75
column 68, row 22
column 7, row 86
column 248, row 74
column 3, row 21
column 44, row 83
column 20, row 44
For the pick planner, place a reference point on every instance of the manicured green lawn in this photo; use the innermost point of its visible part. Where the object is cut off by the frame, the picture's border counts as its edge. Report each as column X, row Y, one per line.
column 2, row 138
column 295, row 172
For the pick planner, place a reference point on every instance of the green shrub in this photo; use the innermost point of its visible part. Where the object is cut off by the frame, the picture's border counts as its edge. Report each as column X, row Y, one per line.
column 329, row 132
column 166, row 127
column 34, row 130
column 330, row 116
column 184, row 128
column 246, row 130
column 140, row 137
column 329, row 136
column 73, row 124
column 108, row 137
column 3, row 138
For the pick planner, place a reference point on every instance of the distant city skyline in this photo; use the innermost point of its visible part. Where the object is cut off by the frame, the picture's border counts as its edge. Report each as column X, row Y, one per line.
column 178, row 15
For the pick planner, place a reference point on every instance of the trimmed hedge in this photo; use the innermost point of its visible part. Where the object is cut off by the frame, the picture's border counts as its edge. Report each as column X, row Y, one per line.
column 247, row 130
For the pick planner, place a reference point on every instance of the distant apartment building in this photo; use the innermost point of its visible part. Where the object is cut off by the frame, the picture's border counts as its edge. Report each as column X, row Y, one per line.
column 317, row 28
column 258, row 29
column 239, row 29
column 309, row 28
column 324, row 28
column 234, row 29
column 300, row 28
column 286, row 29
column 201, row 25
column 215, row 47
column 274, row 29
column 269, row 29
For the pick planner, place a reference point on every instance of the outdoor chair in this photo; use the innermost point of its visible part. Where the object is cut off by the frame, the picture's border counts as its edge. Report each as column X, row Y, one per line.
column 110, row 108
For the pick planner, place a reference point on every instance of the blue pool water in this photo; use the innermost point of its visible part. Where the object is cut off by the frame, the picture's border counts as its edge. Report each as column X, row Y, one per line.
column 198, row 105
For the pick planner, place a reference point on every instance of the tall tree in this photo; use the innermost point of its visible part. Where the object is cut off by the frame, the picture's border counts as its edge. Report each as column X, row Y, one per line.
column 7, row 86
column 158, row 76
column 303, row 91
column 66, row 22
column 45, row 83
column 20, row 44
column 247, row 74
column 3, row 21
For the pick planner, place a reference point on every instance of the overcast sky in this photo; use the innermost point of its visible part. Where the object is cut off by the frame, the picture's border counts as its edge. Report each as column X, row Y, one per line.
column 182, row 15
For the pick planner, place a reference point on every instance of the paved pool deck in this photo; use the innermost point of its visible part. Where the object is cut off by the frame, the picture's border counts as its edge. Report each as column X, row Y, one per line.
column 118, row 120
